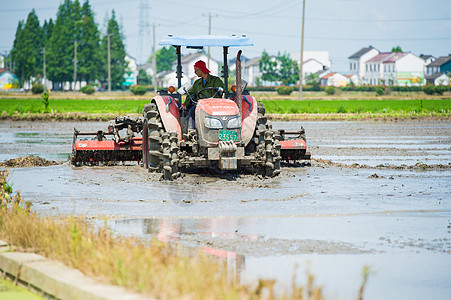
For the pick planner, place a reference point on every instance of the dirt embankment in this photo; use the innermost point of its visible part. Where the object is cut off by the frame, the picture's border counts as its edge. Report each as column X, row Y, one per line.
column 417, row 166
column 28, row 161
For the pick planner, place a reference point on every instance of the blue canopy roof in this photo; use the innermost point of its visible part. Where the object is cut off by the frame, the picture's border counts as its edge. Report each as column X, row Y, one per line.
column 207, row 40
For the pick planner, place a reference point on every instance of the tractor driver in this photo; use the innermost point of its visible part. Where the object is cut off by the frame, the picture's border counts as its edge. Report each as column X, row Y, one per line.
column 205, row 81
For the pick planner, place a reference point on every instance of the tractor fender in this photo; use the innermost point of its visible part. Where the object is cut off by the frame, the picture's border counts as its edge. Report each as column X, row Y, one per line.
column 169, row 113
column 249, row 120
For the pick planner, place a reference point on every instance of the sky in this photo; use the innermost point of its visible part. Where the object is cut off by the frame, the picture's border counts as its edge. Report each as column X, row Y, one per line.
column 341, row 27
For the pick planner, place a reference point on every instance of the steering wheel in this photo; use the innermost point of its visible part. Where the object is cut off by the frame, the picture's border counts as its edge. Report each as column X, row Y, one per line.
column 200, row 94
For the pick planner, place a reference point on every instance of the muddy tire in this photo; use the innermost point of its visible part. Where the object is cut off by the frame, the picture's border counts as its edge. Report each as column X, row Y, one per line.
column 265, row 146
column 161, row 149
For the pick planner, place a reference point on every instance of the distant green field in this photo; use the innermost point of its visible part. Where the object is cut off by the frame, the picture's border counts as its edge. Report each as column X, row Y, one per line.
column 442, row 106
column 95, row 106
column 91, row 106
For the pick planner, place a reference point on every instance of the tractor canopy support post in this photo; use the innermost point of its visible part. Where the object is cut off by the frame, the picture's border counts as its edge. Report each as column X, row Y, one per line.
column 179, row 71
column 225, row 72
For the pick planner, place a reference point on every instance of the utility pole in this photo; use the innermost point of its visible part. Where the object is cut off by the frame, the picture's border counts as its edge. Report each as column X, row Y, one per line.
column 301, row 75
column 45, row 78
column 75, row 64
column 154, row 61
column 209, row 33
column 109, row 64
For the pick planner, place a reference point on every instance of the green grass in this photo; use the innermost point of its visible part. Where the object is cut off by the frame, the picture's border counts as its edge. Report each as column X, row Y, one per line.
column 442, row 106
column 97, row 106
column 90, row 106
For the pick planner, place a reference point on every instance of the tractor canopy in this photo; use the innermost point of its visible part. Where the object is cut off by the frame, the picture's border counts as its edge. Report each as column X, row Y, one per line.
column 200, row 41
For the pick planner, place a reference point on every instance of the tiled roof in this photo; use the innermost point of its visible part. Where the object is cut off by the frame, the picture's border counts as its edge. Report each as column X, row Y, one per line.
column 440, row 61
column 380, row 57
column 434, row 76
column 328, row 75
column 393, row 58
column 426, row 56
column 361, row 52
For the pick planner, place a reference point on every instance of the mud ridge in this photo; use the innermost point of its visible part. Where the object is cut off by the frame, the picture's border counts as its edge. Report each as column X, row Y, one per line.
column 317, row 162
column 28, row 161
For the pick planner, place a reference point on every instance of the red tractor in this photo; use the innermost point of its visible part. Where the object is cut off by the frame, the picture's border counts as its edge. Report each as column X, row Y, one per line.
column 232, row 133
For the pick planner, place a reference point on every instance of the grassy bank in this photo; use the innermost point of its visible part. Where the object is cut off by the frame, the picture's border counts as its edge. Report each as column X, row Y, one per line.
column 348, row 109
column 151, row 267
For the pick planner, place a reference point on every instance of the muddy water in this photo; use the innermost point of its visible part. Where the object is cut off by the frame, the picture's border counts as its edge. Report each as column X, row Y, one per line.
column 329, row 219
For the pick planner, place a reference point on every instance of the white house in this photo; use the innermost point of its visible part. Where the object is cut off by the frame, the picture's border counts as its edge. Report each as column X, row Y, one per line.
column 168, row 78
column 438, row 79
column 312, row 66
column 358, row 59
column 392, row 68
column 2, row 61
column 251, row 71
column 352, row 79
column 334, row 79
column 321, row 56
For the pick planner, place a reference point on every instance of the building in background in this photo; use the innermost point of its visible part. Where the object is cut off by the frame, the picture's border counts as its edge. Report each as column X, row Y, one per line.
column 438, row 72
column 334, row 79
column 8, row 80
column 357, row 61
column 395, row 68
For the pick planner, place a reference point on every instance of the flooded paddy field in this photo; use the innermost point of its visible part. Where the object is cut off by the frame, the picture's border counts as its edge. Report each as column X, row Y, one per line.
column 333, row 217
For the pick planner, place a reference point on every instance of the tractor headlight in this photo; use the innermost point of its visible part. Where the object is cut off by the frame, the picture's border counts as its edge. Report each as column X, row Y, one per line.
column 213, row 123
column 234, row 122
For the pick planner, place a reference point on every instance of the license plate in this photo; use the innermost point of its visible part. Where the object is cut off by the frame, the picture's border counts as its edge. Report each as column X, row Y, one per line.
column 228, row 135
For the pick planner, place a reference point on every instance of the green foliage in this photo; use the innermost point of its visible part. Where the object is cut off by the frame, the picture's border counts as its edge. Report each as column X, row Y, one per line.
column 144, row 78
column 396, row 49
column 88, row 89
column 88, row 51
column 285, row 90
column 45, row 100
column 341, row 110
column 439, row 89
column 331, row 90
column 382, row 90
column 27, row 47
column 288, row 71
column 268, row 67
column 434, row 89
column 165, row 57
column 279, row 69
column 117, row 53
column 60, row 48
column 312, row 79
column 37, row 88
column 442, row 106
column 138, row 90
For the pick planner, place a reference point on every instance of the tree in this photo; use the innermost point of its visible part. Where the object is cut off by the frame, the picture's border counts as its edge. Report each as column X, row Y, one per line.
column 165, row 57
column 27, row 48
column 60, row 52
column 396, row 49
column 268, row 67
column 288, row 71
column 89, row 59
column 312, row 79
column 117, row 53
column 16, row 52
column 47, row 30
column 144, row 78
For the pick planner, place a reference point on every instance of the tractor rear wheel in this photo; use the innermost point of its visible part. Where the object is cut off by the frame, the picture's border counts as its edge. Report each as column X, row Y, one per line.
column 161, row 147
column 265, row 146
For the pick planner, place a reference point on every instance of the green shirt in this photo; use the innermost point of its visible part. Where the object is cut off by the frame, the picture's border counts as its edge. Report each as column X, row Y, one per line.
column 211, row 81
